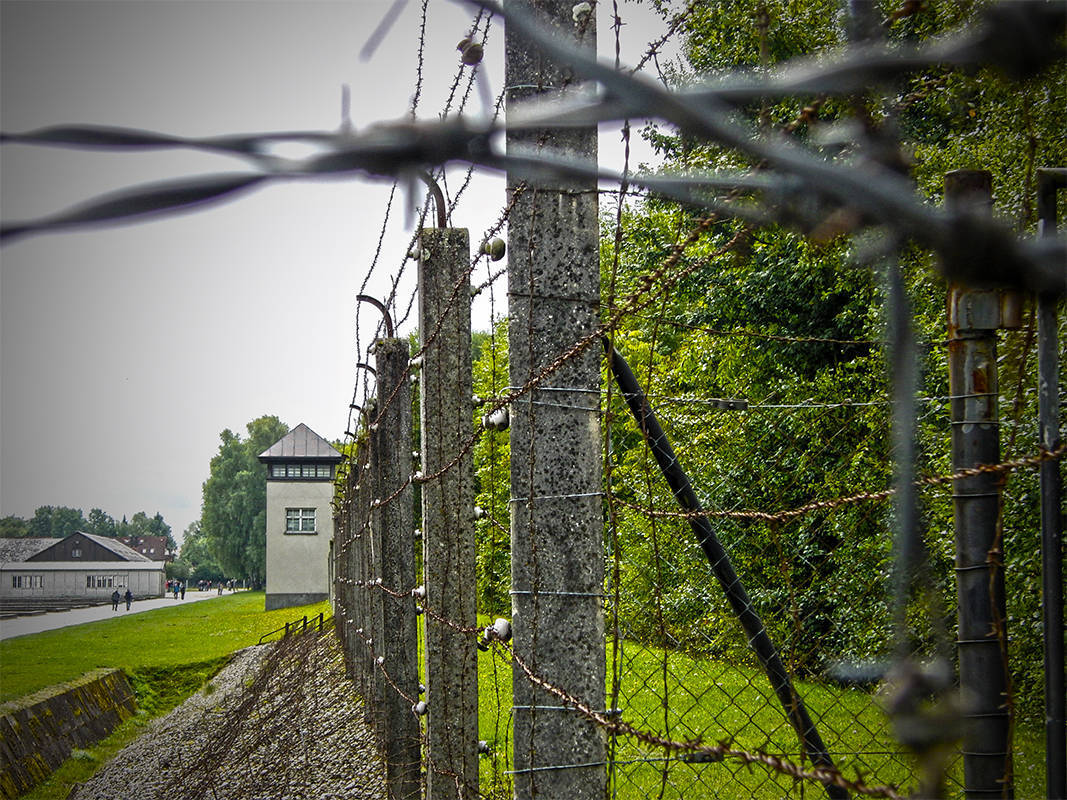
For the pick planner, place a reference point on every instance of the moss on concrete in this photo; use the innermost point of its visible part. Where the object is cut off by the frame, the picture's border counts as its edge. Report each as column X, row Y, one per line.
column 39, row 732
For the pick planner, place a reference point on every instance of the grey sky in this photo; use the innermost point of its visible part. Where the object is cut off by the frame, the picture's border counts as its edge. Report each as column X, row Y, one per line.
column 124, row 351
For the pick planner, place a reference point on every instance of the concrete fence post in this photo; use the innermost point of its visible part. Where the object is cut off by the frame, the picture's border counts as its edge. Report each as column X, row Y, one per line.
column 399, row 642
column 982, row 636
column 372, row 595
column 448, row 514
column 340, row 578
column 557, row 558
column 361, row 562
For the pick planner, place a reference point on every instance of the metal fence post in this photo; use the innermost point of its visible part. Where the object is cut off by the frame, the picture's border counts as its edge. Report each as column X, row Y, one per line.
column 1048, row 182
column 557, row 525
column 973, row 319
column 399, row 644
column 448, row 514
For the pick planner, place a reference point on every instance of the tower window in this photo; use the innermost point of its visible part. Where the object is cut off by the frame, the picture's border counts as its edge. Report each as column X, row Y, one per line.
column 300, row 520
column 301, row 471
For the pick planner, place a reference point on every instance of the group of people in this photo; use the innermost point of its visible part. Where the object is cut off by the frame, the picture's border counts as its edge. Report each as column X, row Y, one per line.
column 116, row 598
column 177, row 587
column 206, row 586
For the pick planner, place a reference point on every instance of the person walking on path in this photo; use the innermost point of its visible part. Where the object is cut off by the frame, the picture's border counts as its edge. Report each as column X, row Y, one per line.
column 115, row 600
column 129, row 598
column 175, row 588
column 182, row 585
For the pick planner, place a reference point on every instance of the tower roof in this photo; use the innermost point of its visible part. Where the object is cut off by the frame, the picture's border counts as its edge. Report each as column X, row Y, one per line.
column 301, row 442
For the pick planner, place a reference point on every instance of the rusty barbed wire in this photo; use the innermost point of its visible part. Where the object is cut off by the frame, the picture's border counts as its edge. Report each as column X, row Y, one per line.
column 593, row 338
column 633, row 302
column 861, row 497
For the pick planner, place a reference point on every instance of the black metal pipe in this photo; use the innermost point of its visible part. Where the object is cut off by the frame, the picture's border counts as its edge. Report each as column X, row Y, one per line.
column 438, row 198
column 792, row 704
column 1048, row 182
column 378, row 304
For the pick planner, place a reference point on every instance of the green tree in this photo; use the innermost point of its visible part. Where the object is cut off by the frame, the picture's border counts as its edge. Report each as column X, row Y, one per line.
column 177, row 570
column 197, row 554
column 140, row 524
column 101, row 523
column 57, row 521
column 234, row 513
column 756, row 323
column 13, row 527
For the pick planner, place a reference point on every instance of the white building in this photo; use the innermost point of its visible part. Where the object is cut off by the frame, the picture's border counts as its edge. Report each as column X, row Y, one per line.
column 80, row 566
column 300, row 468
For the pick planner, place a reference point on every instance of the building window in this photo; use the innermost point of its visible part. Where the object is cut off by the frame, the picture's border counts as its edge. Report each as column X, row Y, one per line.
column 300, row 520
column 106, row 581
column 27, row 581
column 75, row 552
column 301, row 470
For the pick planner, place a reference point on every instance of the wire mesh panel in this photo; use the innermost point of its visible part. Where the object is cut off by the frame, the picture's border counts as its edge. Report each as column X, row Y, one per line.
column 816, row 578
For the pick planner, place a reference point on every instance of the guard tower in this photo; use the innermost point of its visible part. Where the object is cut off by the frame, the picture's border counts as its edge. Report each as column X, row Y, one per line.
column 300, row 468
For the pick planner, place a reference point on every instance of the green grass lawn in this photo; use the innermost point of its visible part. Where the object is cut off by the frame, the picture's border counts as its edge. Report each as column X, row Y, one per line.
column 168, row 654
column 167, row 637
column 721, row 702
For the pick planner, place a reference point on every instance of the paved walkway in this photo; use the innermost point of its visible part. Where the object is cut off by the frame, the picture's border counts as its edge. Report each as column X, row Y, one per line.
column 20, row 626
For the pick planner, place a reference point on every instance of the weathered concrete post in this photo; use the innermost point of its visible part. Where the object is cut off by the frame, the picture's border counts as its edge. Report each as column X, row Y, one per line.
column 448, row 514
column 361, row 561
column 557, row 571
column 374, row 628
column 399, row 644
column 982, row 636
column 341, row 604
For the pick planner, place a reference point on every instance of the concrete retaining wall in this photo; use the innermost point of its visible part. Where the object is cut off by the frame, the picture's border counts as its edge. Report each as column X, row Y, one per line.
column 38, row 732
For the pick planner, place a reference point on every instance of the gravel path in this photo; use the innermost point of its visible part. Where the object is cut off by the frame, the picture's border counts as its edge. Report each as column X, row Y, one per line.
column 280, row 721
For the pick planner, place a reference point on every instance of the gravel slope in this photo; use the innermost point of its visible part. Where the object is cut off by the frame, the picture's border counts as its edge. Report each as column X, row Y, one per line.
column 280, row 721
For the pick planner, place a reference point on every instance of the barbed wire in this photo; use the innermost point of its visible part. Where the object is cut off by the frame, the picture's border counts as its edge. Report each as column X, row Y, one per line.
column 861, row 497
column 972, row 249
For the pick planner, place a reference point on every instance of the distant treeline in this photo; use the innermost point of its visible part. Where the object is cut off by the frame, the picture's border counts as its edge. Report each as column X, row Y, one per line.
column 60, row 521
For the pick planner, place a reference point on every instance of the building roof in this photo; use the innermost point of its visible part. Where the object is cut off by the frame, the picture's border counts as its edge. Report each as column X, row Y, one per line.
column 123, row 552
column 115, row 546
column 301, row 442
column 21, row 549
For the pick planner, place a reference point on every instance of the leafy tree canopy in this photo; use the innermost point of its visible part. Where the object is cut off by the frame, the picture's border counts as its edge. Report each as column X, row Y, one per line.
column 140, row 524
column 234, row 513
column 196, row 552
column 785, row 321
column 14, row 528
column 57, row 521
